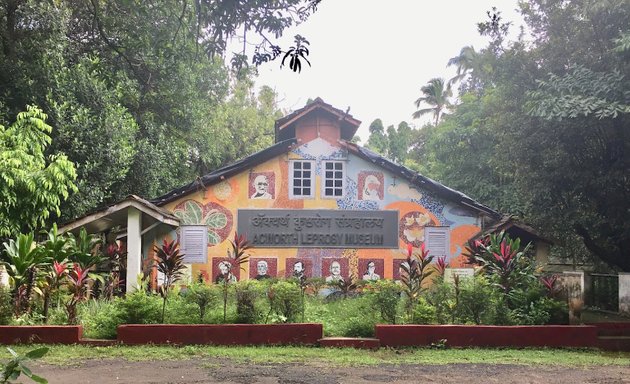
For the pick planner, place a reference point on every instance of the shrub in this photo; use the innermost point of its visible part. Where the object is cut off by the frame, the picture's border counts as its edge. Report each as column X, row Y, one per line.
column 423, row 312
column 6, row 306
column 139, row 308
column 385, row 296
column 442, row 297
column 247, row 293
column 285, row 300
column 475, row 301
column 100, row 318
column 202, row 296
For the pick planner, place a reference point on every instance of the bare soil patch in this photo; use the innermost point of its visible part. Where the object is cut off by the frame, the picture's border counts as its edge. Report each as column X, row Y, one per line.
column 214, row 370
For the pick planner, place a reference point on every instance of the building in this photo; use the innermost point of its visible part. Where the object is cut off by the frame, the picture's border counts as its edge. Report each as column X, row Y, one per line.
column 313, row 199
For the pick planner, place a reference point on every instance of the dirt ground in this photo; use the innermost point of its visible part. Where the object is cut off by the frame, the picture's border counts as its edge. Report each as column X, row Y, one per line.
column 209, row 370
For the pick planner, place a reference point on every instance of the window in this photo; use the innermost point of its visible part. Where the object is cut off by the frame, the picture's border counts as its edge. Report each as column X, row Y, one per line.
column 301, row 179
column 437, row 241
column 194, row 243
column 333, row 176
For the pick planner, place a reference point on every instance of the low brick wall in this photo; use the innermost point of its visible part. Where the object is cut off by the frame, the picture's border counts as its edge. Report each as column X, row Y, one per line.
column 488, row 335
column 225, row 334
column 44, row 334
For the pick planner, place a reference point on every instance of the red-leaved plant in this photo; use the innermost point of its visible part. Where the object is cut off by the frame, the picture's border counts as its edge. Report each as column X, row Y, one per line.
column 78, row 286
column 413, row 271
column 237, row 255
column 441, row 265
column 550, row 284
column 170, row 263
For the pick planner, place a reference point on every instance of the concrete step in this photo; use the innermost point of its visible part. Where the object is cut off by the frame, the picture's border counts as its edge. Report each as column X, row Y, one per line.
column 352, row 342
column 98, row 342
column 614, row 343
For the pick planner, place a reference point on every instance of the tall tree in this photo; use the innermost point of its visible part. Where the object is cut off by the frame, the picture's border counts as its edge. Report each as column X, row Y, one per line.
column 436, row 95
column 377, row 141
column 33, row 185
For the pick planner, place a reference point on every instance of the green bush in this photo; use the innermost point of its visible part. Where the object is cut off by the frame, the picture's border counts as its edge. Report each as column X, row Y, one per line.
column 247, row 294
column 285, row 301
column 6, row 306
column 385, row 297
column 475, row 303
column 140, row 308
column 423, row 313
column 441, row 296
column 203, row 296
column 100, row 318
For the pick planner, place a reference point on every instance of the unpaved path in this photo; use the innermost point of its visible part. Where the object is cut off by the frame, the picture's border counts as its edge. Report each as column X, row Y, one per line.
column 213, row 370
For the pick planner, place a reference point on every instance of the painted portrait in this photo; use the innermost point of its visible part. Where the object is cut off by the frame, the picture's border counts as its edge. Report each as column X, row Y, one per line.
column 262, row 185
column 261, row 268
column 297, row 268
column 370, row 185
column 334, row 269
column 371, row 269
column 225, row 269
column 396, row 268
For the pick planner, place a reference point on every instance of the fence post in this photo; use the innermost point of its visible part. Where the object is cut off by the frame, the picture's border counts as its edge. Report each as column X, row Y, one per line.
column 624, row 292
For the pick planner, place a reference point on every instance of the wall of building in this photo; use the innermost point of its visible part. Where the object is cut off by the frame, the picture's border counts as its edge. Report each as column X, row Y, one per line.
column 368, row 188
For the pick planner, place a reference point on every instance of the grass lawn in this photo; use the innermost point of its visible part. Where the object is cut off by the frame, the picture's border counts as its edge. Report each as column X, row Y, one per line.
column 68, row 355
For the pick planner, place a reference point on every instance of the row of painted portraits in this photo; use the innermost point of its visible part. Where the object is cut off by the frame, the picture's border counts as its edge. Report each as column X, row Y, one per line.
column 333, row 269
column 262, row 185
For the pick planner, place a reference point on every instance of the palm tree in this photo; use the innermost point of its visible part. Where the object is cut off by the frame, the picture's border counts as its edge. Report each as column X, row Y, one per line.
column 435, row 94
column 465, row 62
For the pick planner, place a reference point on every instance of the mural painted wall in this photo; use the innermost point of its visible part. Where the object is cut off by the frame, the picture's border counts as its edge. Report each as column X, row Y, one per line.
column 367, row 187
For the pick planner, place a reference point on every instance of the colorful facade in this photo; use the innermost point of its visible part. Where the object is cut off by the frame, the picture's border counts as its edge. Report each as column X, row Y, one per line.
column 315, row 203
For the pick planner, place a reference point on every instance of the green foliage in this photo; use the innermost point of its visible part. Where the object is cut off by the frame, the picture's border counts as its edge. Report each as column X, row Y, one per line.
column 385, row 295
column 139, row 308
column 15, row 367
column 6, row 306
column 247, row 294
column 423, row 313
column 33, row 184
column 101, row 318
column 285, row 301
column 546, row 115
column 202, row 296
column 436, row 95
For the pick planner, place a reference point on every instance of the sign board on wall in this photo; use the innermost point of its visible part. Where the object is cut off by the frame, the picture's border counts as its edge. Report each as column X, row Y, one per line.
column 292, row 228
column 450, row 273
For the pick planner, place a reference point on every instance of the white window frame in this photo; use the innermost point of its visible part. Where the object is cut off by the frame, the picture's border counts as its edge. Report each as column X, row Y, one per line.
column 292, row 180
column 197, row 252
column 445, row 243
column 343, row 179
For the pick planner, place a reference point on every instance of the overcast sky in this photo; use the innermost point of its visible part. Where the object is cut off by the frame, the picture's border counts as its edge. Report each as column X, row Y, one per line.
column 373, row 56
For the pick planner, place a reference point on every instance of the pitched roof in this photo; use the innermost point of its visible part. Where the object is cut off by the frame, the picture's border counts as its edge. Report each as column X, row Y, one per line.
column 514, row 228
column 285, row 127
column 418, row 180
column 115, row 214
column 412, row 177
column 227, row 171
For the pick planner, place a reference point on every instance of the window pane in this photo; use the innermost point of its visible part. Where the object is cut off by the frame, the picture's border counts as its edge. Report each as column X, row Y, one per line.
column 329, row 183
column 297, row 191
column 306, row 183
column 337, row 192
column 297, row 165
column 329, row 175
column 307, row 191
column 328, row 192
column 297, row 183
column 306, row 165
column 338, row 174
column 338, row 166
column 297, row 173
column 338, row 183
column 306, row 174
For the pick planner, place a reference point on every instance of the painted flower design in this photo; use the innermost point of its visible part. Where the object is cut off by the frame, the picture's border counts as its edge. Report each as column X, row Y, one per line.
column 216, row 218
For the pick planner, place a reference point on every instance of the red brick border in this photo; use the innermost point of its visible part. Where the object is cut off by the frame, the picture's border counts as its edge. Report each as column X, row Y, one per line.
column 224, row 334
column 488, row 335
column 41, row 334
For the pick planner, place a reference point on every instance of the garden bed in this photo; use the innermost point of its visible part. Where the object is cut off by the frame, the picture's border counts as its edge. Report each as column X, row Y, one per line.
column 223, row 334
column 41, row 334
column 488, row 335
